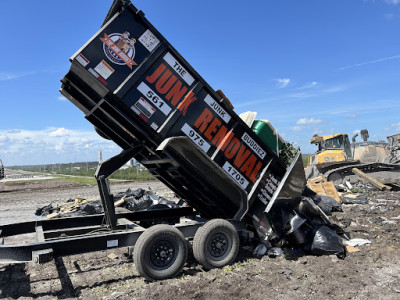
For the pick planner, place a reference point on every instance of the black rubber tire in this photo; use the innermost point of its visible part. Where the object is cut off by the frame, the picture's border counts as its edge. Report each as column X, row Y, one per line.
column 216, row 244
column 160, row 252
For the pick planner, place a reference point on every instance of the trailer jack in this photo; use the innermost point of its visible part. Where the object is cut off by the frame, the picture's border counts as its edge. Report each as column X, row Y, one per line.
column 106, row 169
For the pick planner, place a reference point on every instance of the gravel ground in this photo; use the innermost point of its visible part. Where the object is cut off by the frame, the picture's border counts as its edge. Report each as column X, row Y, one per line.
column 371, row 273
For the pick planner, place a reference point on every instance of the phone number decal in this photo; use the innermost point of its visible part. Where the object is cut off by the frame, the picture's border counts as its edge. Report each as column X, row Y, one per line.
column 195, row 137
column 153, row 97
column 235, row 175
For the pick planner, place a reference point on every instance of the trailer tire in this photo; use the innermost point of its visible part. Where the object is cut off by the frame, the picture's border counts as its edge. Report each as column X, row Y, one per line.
column 160, row 252
column 216, row 244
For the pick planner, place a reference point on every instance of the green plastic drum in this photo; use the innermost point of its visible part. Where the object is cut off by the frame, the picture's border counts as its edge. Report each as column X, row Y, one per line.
column 268, row 134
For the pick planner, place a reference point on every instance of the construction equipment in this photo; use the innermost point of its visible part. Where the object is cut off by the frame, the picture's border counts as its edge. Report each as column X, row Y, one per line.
column 369, row 151
column 1, row 170
column 333, row 151
column 138, row 91
column 336, row 158
column 394, row 149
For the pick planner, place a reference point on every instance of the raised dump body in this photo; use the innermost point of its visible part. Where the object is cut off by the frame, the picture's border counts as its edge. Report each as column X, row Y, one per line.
column 138, row 91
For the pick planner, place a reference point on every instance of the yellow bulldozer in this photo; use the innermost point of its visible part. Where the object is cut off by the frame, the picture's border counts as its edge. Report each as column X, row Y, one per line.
column 336, row 157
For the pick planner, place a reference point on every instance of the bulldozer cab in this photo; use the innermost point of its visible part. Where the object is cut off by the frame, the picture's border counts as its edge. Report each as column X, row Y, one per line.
column 332, row 149
column 333, row 142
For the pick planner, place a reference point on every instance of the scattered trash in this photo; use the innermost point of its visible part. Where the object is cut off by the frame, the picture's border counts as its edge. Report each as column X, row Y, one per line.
column 260, row 250
column 138, row 204
column 260, row 277
column 275, row 251
column 354, row 199
column 52, row 215
column 348, row 184
column 45, row 210
column 352, row 249
column 327, row 204
column 357, row 242
column 376, row 183
column 135, row 200
column 323, row 187
column 112, row 256
column 327, row 242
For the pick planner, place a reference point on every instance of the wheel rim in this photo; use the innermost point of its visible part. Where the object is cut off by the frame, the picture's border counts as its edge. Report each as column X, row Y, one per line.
column 218, row 246
column 162, row 254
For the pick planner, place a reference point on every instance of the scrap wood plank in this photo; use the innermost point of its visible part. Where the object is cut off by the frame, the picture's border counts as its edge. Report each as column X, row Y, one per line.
column 119, row 202
column 322, row 187
column 371, row 180
column 389, row 180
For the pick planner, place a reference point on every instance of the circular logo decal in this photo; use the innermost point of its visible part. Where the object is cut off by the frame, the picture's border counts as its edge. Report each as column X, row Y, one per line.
column 124, row 43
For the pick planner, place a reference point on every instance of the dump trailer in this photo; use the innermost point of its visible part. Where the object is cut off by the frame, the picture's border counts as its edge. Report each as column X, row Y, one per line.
column 139, row 92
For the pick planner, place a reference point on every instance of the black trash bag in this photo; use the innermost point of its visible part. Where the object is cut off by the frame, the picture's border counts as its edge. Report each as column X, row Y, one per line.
column 154, row 197
column 327, row 242
column 138, row 204
column 45, row 210
column 327, row 204
column 170, row 203
column 91, row 208
column 136, row 193
column 331, row 203
column 309, row 208
column 307, row 192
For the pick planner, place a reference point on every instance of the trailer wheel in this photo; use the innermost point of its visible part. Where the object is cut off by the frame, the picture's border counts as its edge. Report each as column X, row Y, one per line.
column 160, row 252
column 216, row 244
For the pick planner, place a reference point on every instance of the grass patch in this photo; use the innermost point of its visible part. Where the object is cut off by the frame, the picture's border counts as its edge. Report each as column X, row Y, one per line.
column 77, row 179
column 83, row 179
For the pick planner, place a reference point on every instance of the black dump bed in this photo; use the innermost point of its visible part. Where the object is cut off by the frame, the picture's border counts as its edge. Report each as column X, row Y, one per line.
column 136, row 89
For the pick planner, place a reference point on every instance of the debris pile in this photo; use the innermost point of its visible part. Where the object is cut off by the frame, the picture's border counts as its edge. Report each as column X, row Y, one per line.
column 135, row 200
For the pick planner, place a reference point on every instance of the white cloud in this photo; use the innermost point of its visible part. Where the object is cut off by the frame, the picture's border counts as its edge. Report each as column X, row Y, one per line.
column 59, row 132
column 3, row 138
column 371, row 61
column 296, row 128
column 309, row 121
column 317, row 131
column 4, row 76
column 394, row 2
column 302, row 95
column 7, row 76
column 309, row 85
column 52, row 145
column 396, row 127
column 352, row 116
column 389, row 17
column 282, row 82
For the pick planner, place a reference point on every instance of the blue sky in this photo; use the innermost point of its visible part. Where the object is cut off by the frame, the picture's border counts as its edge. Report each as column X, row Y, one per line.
column 306, row 66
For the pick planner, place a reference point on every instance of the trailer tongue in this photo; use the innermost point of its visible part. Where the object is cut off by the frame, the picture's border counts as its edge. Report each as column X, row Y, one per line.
column 138, row 91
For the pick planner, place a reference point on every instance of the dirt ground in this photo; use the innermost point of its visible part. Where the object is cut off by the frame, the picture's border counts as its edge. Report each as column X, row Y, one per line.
column 371, row 273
